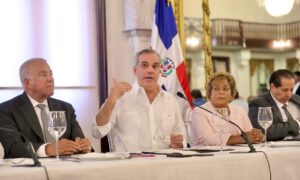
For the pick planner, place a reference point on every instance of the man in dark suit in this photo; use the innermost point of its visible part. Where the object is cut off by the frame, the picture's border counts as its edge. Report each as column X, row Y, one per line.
column 280, row 96
column 297, row 85
column 23, row 114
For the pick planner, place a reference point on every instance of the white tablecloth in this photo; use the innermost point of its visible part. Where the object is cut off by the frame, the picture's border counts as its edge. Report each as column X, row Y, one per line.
column 284, row 162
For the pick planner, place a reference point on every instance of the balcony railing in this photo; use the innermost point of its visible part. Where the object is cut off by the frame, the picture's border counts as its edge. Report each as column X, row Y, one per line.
column 228, row 32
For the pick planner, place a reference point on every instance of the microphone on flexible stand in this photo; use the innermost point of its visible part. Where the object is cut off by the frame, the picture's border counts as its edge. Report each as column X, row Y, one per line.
column 28, row 146
column 243, row 134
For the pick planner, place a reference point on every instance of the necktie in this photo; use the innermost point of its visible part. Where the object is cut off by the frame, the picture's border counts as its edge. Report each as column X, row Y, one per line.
column 287, row 113
column 45, row 119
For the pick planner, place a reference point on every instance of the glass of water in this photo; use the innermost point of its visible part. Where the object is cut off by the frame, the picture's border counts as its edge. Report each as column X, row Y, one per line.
column 221, row 123
column 265, row 119
column 57, row 126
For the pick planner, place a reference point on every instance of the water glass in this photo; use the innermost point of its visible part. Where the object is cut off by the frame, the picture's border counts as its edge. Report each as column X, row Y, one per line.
column 265, row 119
column 221, row 123
column 57, row 126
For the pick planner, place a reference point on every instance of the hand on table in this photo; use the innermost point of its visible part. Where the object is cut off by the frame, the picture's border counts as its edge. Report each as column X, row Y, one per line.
column 176, row 141
column 66, row 147
column 256, row 136
column 84, row 144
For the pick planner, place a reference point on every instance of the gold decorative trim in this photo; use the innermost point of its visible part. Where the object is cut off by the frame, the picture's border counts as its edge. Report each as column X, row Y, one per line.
column 207, row 40
column 179, row 16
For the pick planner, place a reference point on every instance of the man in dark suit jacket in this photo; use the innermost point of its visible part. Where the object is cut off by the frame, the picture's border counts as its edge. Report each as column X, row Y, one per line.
column 22, row 114
column 281, row 92
column 297, row 85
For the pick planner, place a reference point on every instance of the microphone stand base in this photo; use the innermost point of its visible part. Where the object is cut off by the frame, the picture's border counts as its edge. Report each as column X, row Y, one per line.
column 240, row 152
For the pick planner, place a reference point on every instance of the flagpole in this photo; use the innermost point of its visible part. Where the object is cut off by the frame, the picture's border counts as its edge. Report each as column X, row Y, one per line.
column 207, row 40
column 179, row 16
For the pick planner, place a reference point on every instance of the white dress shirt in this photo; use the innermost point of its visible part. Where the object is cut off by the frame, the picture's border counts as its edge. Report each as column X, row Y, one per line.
column 296, row 87
column 291, row 107
column 137, row 125
column 293, row 110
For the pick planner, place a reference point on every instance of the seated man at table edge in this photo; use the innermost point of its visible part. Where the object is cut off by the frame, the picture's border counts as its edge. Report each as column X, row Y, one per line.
column 281, row 93
column 142, row 116
column 206, row 127
column 23, row 114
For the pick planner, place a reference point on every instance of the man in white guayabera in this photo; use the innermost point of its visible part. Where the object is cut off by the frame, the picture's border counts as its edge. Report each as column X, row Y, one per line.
column 141, row 116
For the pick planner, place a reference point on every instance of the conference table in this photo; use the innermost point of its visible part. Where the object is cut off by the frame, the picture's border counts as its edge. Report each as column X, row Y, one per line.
column 272, row 162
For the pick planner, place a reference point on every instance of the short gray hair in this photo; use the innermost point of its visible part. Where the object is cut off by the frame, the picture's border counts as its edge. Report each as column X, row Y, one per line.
column 23, row 71
column 144, row 51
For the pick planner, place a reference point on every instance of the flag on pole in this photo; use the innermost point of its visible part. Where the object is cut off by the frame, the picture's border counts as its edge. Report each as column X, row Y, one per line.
column 165, row 41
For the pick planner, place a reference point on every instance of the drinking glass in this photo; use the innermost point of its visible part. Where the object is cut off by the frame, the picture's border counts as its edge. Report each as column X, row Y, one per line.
column 220, row 123
column 159, row 133
column 57, row 126
column 265, row 119
column 162, row 134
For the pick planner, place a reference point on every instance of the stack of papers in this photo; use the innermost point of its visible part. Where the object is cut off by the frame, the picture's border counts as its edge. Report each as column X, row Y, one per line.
column 97, row 156
column 285, row 144
column 208, row 149
column 169, row 151
column 177, row 153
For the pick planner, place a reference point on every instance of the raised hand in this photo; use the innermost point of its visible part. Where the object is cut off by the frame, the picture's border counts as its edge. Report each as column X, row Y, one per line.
column 119, row 88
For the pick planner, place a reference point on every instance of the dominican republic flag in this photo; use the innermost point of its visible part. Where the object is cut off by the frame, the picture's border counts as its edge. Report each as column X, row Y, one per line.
column 165, row 41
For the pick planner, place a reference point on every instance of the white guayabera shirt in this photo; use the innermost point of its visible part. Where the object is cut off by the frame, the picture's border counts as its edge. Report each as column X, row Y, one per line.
column 137, row 125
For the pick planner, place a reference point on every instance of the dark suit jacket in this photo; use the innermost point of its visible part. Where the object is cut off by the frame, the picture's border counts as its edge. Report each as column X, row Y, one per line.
column 279, row 129
column 298, row 91
column 19, row 114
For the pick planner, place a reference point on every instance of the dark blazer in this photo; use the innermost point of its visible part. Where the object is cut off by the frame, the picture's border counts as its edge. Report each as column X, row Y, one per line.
column 19, row 114
column 279, row 129
column 298, row 91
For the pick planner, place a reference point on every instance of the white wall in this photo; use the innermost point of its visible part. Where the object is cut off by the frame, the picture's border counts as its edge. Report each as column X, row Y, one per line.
column 119, row 49
column 64, row 33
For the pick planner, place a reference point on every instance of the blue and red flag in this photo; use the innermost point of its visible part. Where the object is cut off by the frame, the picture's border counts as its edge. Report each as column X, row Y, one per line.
column 165, row 41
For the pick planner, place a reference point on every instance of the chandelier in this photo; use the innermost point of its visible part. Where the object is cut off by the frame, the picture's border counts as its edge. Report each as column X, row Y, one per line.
column 279, row 7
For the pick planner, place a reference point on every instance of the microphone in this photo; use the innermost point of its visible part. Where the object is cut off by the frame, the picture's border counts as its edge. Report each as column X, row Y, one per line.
column 28, row 146
column 243, row 134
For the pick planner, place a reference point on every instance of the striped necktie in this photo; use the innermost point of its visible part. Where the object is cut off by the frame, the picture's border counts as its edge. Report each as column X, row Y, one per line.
column 287, row 113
